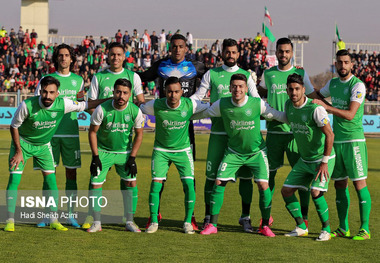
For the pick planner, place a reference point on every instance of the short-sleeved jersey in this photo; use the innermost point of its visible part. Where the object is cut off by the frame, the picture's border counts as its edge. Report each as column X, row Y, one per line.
column 342, row 94
column 37, row 124
column 102, row 83
column 70, row 85
column 275, row 82
column 242, row 125
column 187, row 72
column 305, row 124
column 116, row 126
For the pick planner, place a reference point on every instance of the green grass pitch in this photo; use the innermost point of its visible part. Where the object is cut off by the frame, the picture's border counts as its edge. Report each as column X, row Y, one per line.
column 169, row 244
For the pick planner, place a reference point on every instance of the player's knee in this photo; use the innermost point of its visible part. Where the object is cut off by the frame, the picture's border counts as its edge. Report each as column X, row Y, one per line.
column 287, row 191
column 130, row 183
column 262, row 185
column 360, row 184
column 71, row 174
column 159, row 181
column 341, row 184
column 315, row 194
column 221, row 183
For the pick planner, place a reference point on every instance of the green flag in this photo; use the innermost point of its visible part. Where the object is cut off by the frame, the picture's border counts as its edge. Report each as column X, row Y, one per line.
column 337, row 31
column 268, row 33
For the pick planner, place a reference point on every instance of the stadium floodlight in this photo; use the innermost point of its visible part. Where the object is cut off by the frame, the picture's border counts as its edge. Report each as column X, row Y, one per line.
column 298, row 39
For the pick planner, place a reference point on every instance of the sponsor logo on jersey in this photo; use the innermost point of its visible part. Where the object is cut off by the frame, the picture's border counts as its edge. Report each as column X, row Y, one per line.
column 299, row 128
column 117, row 127
column 44, row 124
column 278, row 89
column 173, row 125
column 339, row 103
column 74, row 82
column 359, row 94
column 345, row 91
column 242, row 125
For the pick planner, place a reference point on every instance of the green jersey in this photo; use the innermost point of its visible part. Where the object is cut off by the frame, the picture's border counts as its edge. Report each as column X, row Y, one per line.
column 102, row 84
column 172, row 124
column 342, row 94
column 217, row 81
column 305, row 122
column 70, row 85
column 36, row 123
column 274, row 81
column 114, row 134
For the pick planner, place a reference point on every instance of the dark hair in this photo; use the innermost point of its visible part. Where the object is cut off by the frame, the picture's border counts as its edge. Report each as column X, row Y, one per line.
column 343, row 52
column 56, row 53
column 238, row 76
column 229, row 42
column 115, row 44
column 48, row 80
column 177, row 36
column 294, row 78
column 123, row 82
column 284, row 41
column 172, row 80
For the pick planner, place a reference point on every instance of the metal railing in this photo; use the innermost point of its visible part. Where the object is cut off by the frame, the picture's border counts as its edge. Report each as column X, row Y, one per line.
column 363, row 46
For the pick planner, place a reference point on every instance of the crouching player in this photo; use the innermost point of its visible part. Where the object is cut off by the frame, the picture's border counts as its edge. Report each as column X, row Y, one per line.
column 312, row 131
column 245, row 147
column 109, row 136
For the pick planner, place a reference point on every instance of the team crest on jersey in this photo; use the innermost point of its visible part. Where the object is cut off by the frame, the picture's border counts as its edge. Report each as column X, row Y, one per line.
column 109, row 125
column 35, row 124
column 74, row 82
column 345, row 91
column 359, row 94
column 220, row 88
column 304, row 118
column 107, row 92
column 248, row 112
column 127, row 118
column 186, row 68
column 53, row 114
column 183, row 114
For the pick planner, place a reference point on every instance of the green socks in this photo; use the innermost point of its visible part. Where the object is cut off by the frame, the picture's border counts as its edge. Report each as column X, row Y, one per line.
column 154, row 200
column 265, row 204
column 323, row 212
column 130, row 203
column 342, row 205
column 209, row 184
column 52, row 190
column 216, row 202
column 294, row 208
column 272, row 176
column 245, row 191
column 365, row 207
column 13, row 182
column 71, row 191
column 188, row 188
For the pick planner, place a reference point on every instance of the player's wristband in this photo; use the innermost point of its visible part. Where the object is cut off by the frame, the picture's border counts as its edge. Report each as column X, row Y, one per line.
column 325, row 159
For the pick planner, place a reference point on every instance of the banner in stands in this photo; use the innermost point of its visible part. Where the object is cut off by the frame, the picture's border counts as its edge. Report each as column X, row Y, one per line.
column 371, row 123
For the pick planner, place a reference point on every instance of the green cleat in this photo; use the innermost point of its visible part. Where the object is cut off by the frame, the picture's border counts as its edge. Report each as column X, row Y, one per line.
column 57, row 226
column 341, row 233
column 10, row 226
column 362, row 235
column 88, row 222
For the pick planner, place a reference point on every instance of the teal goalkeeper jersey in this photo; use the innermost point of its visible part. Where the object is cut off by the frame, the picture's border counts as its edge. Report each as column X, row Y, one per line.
column 70, row 85
column 242, row 125
column 275, row 81
column 116, row 127
column 220, row 88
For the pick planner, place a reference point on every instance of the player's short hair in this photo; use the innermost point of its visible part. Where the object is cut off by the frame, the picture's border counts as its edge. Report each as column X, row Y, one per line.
column 172, row 80
column 56, row 53
column 123, row 82
column 115, row 44
column 229, row 42
column 284, row 41
column 343, row 52
column 238, row 76
column 48, row 80
column 177, row 36
column 295, row 78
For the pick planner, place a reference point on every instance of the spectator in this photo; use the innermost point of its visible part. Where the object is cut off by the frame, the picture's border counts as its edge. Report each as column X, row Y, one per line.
column 33, row 38
column 162, row 38
column 154, row 41
column 126, row 38
column 118, row 36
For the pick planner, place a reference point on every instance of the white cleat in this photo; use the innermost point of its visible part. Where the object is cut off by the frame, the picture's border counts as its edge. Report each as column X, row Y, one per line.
column 152, row 228
column 95, row 228
column 132, row 227
column 245, row 222
column 324, row 236
column 188, row 228
column 298, row 232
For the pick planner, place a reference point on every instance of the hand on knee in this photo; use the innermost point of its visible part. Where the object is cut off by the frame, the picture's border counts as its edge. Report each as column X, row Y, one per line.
column 315, row 194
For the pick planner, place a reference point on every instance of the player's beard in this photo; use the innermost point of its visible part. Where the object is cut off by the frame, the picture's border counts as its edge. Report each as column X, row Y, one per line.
column 343, row 75
column 228, row 63
column 283, row 64
column 47, row 102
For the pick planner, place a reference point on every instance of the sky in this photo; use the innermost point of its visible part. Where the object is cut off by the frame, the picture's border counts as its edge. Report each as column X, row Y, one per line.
column 358, row 21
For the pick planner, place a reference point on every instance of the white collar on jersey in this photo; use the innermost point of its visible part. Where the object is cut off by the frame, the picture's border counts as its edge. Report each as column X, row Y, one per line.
column 284, row 70
column 347, row 80
column 115, row 73
column 119, row 109
column 303, row 105
column 230, row 69
column 242, row 104
column 166, row 101
column 63, row 75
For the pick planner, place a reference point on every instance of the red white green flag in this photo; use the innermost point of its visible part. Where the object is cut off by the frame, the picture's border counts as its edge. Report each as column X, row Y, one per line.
column 268, row 16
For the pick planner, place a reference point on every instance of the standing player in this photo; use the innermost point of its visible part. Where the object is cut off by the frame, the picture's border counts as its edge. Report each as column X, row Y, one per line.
column 33, row 126
column 347, row 95
column 172, row 145
column 177, row 66
column 279, row 137
column 102, row 85
column 217, row 81
column 314, row 136
column 109, row 136
column 66, row 140
column 245, row 147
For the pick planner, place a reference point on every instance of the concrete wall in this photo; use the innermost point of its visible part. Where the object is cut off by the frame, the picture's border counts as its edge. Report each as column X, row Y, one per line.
column 35, row 14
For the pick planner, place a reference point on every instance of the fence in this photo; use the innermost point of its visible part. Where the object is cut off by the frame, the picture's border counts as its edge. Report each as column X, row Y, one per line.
column 363, row 46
